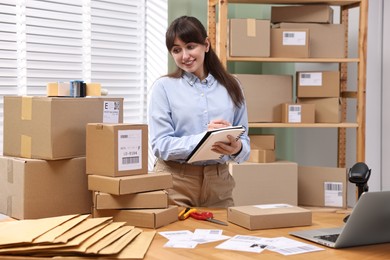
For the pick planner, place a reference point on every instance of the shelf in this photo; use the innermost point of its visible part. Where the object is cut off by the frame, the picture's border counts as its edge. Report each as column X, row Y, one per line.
column 292, row 125
column 328, row 2
column 293, row 60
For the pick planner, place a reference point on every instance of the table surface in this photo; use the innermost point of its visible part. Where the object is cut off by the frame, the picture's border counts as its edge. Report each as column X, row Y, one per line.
column 322, row 218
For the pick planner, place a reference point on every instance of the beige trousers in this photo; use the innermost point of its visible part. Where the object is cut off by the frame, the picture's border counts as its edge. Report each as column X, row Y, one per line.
column 198, row 186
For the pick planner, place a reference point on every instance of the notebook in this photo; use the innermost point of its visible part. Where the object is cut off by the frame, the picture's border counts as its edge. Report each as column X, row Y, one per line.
column 369, row 223
column 203, row 152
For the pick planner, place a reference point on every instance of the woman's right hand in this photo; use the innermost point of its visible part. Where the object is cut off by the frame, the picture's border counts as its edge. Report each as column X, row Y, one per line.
column 218, row 123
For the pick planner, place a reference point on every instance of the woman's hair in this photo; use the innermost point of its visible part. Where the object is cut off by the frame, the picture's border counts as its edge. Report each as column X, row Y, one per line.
column 190, row 29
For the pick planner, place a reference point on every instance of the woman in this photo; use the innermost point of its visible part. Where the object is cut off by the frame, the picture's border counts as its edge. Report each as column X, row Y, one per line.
column 200, row 95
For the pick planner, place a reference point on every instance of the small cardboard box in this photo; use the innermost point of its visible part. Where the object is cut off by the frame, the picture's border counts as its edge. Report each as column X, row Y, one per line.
column 298, row 113
column 302, row 14
column 264, row 94
column 318, row 84
column 117, row 149
column 290, row 43
column 326, row 40
column 130, row 184
column 327, row 110
column 322, row 186
column 261, row 156
column 249, row 38
column 263, row 183
column 142, row 200
column 53, row 128
column 269, row 216
column 32, row 188
column 147, row 218
column 262, row 142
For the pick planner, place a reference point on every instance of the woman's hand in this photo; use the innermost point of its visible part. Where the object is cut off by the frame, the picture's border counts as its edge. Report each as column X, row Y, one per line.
column 218, row 123
column 232, row 148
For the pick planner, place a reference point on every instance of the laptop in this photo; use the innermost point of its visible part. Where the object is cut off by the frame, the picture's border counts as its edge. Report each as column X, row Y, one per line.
column 369, row 223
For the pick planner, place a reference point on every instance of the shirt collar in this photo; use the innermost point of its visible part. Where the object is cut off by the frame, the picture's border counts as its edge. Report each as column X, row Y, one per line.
column 192, row 79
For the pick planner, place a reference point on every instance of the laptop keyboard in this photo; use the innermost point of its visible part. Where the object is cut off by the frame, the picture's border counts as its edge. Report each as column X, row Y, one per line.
column 331, row 238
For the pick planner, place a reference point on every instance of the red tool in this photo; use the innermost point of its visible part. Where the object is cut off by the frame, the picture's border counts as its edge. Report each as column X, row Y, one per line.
column 206, row 215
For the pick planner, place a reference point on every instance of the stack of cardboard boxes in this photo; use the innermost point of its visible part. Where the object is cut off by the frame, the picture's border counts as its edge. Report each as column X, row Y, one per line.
column 42, row 172
column 293, row 32
column 117, row 156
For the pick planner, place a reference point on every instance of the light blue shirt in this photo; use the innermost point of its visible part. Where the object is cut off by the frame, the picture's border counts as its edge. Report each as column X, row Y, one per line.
column 180, row 110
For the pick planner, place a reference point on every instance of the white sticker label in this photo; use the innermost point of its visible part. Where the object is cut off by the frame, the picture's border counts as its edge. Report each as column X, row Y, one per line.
column 272, row 206
column 333, row 194
column 129, row 150
column 111, row 111
column 294, row 113
column 294, row 38
column 310, row 79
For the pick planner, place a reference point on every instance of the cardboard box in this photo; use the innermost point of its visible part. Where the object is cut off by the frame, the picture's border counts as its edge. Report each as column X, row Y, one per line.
column 268, row 216
column 261, row 156
column 52, row 128
column 130, row 184
column 327, row 110
column 264, row 94
column 147, row 218
column 117, row 149
column 318, row 84
column 262, row 142
column 263, row 183
column 290, row 43
column 31, row 188
column 326, row 40
column 142, row 200
column 249, row 38
column 302, row 14
column 322, row 186
column 298, row 113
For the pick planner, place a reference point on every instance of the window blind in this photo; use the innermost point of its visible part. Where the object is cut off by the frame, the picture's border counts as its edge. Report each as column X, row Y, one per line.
column 101, row 41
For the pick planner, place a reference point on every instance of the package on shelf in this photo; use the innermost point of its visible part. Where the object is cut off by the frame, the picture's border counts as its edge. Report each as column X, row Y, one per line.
column 302, row 14
column 52, row 128
column 322, row 186
column 130, row 184
column 33, row 188
column 117, row 149
column 326, row 40
column 264, row 94
column 266, row 216
column 298, row 113
column 327, row 110
column 262, row 148
column 147, row 218
column 290, row 43
column 249, row 38
column 141, row 200
column 318, row 83
column 262, row 183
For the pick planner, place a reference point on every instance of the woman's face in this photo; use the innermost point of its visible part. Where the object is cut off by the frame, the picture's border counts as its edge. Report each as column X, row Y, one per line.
column 190, row 56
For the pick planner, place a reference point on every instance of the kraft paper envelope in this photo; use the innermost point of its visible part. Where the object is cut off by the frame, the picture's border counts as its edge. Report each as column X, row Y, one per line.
column 138, row 247
column 81, row 228
column 52, row 249
column 109, row 239
column 25, row 231
column 121, row 243
column 50, row 236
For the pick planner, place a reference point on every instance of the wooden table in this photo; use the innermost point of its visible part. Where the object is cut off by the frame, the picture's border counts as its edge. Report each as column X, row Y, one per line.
column 321, row 219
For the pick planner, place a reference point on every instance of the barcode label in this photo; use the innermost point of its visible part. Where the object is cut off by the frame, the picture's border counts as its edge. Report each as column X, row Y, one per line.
column 129, row 150
column 294, row 114
column 333, row 193
column 310, row 79
column 294, row 108
column 130, row 160
column 294, row 38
